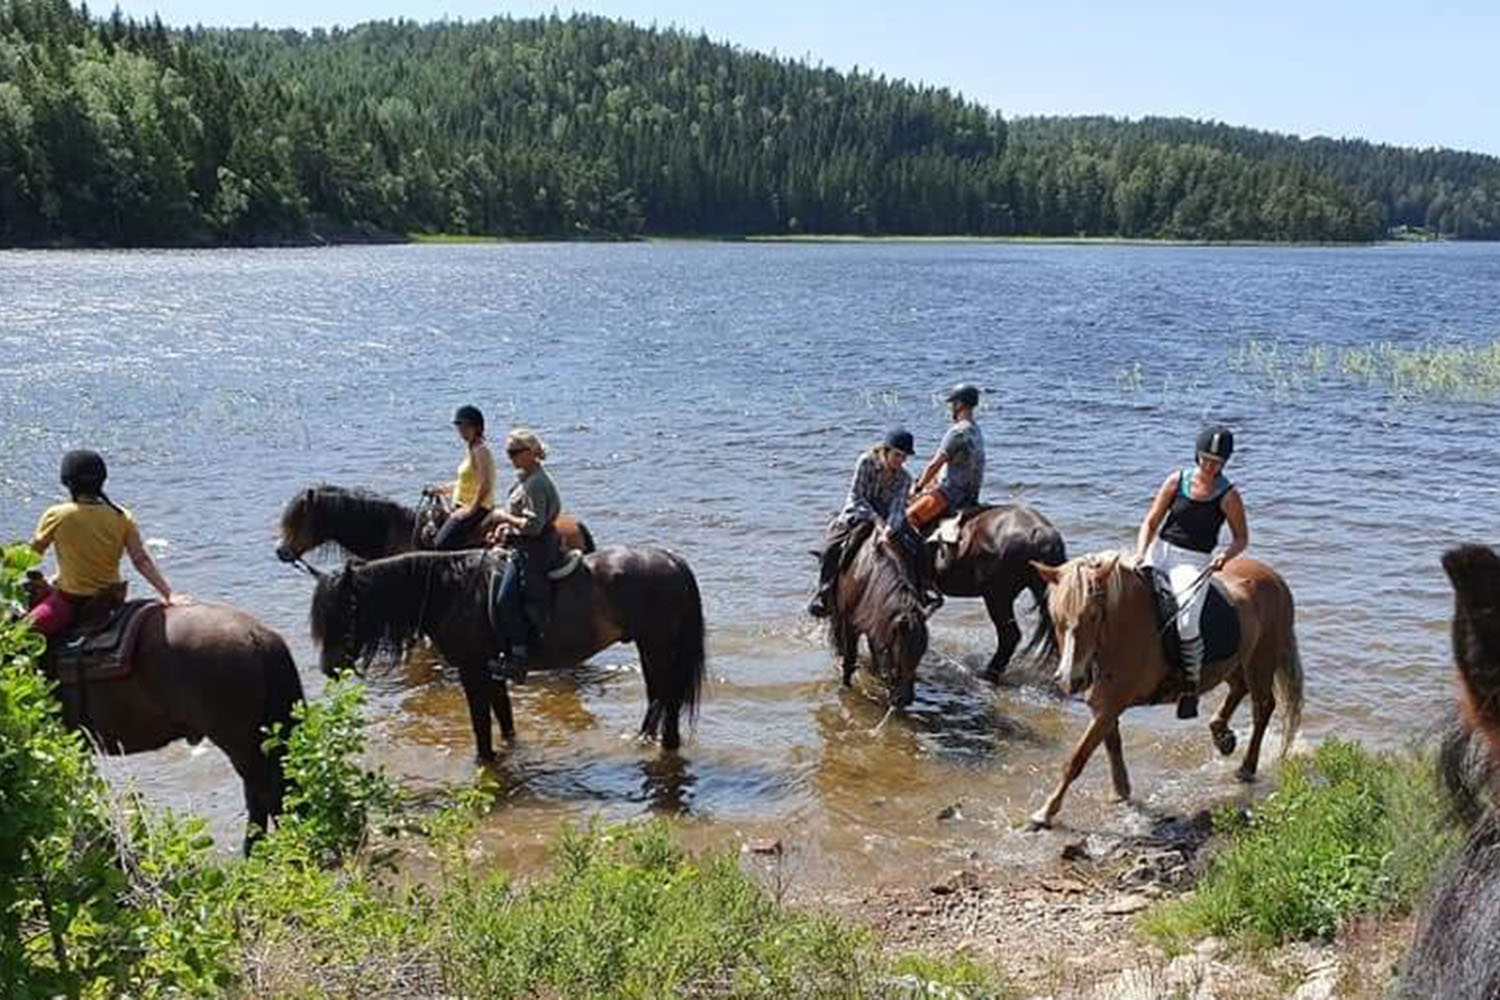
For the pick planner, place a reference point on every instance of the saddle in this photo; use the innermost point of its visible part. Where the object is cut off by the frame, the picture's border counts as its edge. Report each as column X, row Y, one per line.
column 570, row 563
column 949, row 529
column 1219, row 626
column 101, row 650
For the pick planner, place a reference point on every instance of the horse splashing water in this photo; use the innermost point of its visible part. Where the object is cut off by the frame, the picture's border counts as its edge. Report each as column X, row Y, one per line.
column 1104, row 611
column 877, row 597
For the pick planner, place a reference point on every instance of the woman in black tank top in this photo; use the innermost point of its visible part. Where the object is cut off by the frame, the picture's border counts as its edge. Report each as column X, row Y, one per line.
column 1178, row 537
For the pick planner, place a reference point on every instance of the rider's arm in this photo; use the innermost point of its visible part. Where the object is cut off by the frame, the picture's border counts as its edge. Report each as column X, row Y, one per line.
column 1154, row 516
column 930, row 473
column 484, row 465
column 1234, row 513
column 144, row 564
column 45, row 529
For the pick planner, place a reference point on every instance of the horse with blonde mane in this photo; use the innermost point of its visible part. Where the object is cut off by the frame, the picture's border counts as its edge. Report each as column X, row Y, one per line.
column 1104, row 611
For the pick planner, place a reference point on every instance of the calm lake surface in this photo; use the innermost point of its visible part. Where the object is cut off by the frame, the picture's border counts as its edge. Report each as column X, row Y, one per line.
column 713, row 398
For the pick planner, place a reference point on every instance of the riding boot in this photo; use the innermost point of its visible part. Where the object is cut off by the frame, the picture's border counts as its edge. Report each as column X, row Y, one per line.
column 821, row 605
column 1192, row 666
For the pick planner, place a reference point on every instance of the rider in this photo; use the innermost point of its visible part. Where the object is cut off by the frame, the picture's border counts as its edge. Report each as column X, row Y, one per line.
column 91, row 533
column 1189, row 509
column 530, row 524
column 958, row 468
column 879, row 490
column 474, row 490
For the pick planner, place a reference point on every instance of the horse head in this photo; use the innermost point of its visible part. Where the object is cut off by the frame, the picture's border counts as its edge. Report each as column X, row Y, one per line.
column 335, row 617
column 1080, row 595
column 298, row 530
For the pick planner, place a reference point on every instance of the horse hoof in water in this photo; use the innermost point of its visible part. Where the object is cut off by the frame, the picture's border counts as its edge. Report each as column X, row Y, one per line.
column 1038, row 822
column 1244, row 776
column 1224, row 741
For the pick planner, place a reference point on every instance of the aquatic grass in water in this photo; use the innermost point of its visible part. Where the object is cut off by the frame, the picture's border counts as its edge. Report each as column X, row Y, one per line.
column 1408, row 371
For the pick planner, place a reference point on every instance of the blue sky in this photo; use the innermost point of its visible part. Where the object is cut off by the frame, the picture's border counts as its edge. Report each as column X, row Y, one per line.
column 1406, row 73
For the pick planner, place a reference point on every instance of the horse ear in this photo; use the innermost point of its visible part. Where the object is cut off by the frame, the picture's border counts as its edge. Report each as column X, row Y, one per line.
column 308, row 496
column 1049, row 574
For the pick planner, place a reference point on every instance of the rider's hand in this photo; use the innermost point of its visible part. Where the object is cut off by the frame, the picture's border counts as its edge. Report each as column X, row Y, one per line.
column 1218, row 563
column 176, row 600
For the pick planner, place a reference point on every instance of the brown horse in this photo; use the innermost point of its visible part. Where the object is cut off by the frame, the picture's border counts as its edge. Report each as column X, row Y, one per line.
column 993, row 559
column 1457, row 952
column 643, row 595
column 1105, row 615
column 877, row 597
column 370, row 526
column 200, row 670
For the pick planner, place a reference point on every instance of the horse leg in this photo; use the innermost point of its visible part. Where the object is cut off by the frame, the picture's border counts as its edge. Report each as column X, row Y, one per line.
column 1218, row 727
column 475, row 681
column 1262, row 704
column 661, row 713
column 848, row 645
column 261, row 782
column 500, row 705
column 1117, row 773
column 1099, row 727
column 1002, row 611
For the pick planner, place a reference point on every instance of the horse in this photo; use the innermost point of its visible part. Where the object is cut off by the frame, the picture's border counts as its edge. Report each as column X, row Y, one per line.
column 1104, row 613
column 877, row 597
column 199, row 670
column 1456, row 955
column 647, row 595
column 370, row 526
column 993, row 558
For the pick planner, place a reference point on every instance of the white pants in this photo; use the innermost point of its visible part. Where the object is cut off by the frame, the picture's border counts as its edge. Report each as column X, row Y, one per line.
column 1183, row 567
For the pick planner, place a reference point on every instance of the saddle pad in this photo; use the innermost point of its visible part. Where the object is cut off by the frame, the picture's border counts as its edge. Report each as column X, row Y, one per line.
column 108, row 653
column 567, row 567
column 1219, row 626
column 948, row 529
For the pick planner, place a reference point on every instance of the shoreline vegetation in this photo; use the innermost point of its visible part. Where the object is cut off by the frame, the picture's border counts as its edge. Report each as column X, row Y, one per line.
column 133, row 134
column 360, row 890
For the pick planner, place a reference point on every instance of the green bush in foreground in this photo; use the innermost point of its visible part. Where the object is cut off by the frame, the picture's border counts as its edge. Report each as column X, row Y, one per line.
column 355, row 894
column 1346, row 832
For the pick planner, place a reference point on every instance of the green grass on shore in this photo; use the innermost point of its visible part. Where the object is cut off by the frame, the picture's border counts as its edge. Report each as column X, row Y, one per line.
column 1347, row 833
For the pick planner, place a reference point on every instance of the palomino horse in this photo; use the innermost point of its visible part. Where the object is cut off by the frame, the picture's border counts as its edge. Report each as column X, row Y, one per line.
column 1457, row 952
column 1105, row 615
column 200, row 670
column 993, row 559
column 643, row 595
column 877, row 597
column 370, row 526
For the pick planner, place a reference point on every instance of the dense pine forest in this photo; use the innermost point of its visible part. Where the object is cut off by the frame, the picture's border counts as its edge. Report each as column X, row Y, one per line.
column 124, row 133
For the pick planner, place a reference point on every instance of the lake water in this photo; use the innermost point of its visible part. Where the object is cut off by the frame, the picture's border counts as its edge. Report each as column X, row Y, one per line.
column 713, row 399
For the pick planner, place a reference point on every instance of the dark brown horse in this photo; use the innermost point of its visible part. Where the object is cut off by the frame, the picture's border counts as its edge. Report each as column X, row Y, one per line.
column 200, row 670
column 1457, row 952
column 877, row 597
column 1105, row 616
column 643, row 595
column 370, row 526
column 993, row 559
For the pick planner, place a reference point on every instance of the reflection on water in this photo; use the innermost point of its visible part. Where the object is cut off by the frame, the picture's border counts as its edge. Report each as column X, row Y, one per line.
column 712, row 399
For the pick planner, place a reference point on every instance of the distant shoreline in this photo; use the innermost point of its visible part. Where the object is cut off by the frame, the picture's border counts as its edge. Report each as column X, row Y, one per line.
column 347, row 238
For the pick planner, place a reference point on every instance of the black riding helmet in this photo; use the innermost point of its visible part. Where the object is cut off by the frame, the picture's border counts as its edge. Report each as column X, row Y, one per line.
column 964, row 393
column 900, row 439
column 83, row 470
column 1216, row 442
column 467, row 414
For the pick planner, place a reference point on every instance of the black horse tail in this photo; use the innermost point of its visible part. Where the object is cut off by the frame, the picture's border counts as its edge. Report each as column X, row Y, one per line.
column 1051, row 551
column 283, row 692
column 684, row 682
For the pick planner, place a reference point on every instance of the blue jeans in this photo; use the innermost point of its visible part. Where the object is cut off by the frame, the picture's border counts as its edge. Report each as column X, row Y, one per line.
column 455, row 532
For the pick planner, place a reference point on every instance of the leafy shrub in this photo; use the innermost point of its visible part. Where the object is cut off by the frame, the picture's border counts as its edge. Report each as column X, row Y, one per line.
column 1346, row 832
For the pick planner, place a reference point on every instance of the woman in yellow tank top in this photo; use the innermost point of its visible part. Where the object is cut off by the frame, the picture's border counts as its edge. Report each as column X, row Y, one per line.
column 90, row 534
column 474, row 490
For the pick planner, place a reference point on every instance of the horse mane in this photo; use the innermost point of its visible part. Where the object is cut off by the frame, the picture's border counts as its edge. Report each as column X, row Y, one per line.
column 889, row 595
column 395, row 600
column 1080, row 579
column 354, row 518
